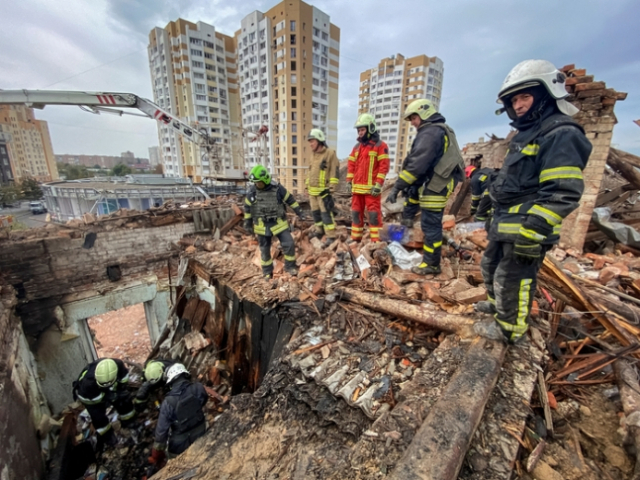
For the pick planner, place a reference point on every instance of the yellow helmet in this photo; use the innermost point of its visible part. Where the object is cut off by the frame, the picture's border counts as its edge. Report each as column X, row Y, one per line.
column 106, row 372
column 422, row 107
column 153, row 371
column 316, row 134
column 366, row 120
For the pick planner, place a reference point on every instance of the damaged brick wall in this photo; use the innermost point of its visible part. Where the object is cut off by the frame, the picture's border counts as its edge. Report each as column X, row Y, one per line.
column 19, row 446
column 596, row 103
column 43, row 271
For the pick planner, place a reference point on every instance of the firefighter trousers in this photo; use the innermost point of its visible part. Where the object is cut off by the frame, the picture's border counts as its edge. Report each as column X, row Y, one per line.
column 511, row 286
column 358, row 205
column 411, row 203
column 122, row 402
column 322, row 218
column 288, row 249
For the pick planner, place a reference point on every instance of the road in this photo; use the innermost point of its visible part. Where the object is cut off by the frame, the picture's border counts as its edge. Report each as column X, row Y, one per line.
column 23, row 215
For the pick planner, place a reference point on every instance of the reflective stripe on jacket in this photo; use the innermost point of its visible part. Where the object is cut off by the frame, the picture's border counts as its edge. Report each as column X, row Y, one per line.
column 318, row 180
column 269, row 219
column 540, row 182
column 368, row 164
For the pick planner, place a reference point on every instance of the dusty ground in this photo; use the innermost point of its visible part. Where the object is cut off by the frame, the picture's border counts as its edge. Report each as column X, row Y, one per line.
column 122, row 334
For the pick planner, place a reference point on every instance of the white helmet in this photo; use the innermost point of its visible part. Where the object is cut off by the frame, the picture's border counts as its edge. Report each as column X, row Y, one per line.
column 174, row 371
column 531, row 73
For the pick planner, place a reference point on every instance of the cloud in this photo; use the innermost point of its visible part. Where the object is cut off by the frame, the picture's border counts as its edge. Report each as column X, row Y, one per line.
column 101, row 46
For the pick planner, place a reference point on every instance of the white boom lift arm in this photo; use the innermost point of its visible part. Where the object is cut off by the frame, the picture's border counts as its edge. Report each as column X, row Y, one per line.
column 108, row 102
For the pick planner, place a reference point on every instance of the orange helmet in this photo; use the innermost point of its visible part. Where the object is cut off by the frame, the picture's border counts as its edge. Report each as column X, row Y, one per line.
column 468, row 170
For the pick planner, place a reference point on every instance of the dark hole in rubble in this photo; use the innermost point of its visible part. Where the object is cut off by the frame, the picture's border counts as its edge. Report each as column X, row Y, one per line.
column 114, row 273
column 20, row 290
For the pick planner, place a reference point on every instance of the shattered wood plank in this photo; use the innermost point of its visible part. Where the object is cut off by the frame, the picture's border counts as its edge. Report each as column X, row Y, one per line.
column 199, row 317
column 438, row 449
column 550, row 267
column 621, row 164
column 422, row 313
column 190, row 308
column 230, row 224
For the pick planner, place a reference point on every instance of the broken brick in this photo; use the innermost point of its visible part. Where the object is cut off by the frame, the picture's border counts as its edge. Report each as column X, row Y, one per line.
column 318, row 286
column 391, row 286
column 607, row 274
column 535, row 309
column 190, row 249
column 236, row 209
column 471, row 295
column 432, row 293
column 572, row 266
column 624, row 270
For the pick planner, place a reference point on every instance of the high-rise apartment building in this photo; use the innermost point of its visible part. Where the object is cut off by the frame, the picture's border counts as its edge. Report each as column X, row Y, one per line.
column 386, row 90
column 29, row 146
column 6, row 172
column 193, row 72
column 288, row 67
column 154, row 156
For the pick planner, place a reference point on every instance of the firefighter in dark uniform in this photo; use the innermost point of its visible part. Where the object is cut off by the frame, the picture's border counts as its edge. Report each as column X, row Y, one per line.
column 154, row 379
column 181, row 421
column 264, row 214
column 480, row 179
column 100, row 384
column 429, row 174
column 539, row 184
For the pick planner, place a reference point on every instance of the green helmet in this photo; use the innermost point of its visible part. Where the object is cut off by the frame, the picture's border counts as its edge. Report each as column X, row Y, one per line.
column 366, row 120
column 153, row 371
column 316, row 134
column 424, row 108
column 106, row 372
column 260, row 174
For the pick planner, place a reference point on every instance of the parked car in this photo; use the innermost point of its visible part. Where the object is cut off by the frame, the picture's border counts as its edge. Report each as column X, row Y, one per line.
column 37, row 208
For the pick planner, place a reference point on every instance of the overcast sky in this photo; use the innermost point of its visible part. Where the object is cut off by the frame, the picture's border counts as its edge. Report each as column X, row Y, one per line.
column 100, row 45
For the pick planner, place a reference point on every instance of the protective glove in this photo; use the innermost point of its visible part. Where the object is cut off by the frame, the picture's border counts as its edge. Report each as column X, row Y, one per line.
column 376, row 190
column 349, row 187
column 248, row 225
column 323, row 165
column 327, row 199
column 157, row 457
column 393, row 196
column 302, row 216
column 526, row 251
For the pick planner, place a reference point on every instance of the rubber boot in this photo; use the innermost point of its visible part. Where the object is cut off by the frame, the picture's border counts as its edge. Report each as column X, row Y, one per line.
column 424, row 269
column 485, row 306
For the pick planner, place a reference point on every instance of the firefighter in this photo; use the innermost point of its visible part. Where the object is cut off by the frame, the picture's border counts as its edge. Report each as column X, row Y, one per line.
column 322, row 179
column 434, row 165
column 181, row 421
column 368, row 166
column 100, row 384
column 264, row 214
column 539, row 184
column 480, row 179
column 153, row 380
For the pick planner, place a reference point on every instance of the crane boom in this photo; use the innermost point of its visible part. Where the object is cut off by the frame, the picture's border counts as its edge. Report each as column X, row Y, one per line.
column 110, row 102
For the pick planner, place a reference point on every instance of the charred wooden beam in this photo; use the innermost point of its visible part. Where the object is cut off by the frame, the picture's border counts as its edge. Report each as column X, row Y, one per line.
column 423, row 313
column 439, row 447
column 630, row 397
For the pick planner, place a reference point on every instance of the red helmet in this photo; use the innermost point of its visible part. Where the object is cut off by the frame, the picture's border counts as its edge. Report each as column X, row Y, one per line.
column 468, row 170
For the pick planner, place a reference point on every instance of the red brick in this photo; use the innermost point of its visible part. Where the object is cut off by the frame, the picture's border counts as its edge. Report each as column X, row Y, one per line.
column 535, row 309
column 578, row 72
column 391, row 286
column 431, row 293
column 609, row 273
column 471, row 295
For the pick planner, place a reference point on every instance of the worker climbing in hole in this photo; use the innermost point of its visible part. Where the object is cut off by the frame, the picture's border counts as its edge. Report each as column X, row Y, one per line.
column 367, row 169
column 101, row 384
column 539, row 184
column 181, row 421
column 428, row 177
column 154, row 380
column 321, row 182
column 265, row 215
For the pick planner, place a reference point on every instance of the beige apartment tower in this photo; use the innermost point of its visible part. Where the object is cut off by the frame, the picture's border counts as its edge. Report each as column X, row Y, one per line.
column 193, row 73
column 29, row 146
column 386, row 90
column 288, row 70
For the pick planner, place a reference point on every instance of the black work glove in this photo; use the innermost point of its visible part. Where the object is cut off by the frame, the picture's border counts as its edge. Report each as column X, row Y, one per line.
column 327, row 200
column 248, row 225
column 323, row 165
column 527, row 252
column 393, row 196
column 376, row 190
column 302, row 216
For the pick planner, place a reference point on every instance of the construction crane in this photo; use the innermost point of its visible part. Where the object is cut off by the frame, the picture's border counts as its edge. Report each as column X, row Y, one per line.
column 113, row 103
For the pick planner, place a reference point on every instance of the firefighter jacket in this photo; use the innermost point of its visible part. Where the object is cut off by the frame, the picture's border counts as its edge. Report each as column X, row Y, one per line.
column 434, row 160
column 266, row 209
column 368, row 164
column 540, row 182
column 480, row 186
column 180, row 414
column 89, row 392
column 323, row 171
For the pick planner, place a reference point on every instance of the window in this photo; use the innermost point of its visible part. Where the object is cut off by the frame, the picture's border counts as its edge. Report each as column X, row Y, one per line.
column 292, row 39
column 293, row 66
column 195, row 64
column 294, row 139
column 294, row 103
column 294, row 91
column 293, row 53
column 292, row 25
column 294, row 151
column 294, row 116
column 198, row 75
column 196, row 53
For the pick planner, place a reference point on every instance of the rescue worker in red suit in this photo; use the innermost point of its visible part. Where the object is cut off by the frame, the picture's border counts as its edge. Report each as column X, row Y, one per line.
column 368, row 166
